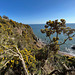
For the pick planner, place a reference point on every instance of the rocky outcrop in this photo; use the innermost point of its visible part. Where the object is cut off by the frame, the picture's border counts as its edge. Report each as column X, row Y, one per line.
column 73, row 47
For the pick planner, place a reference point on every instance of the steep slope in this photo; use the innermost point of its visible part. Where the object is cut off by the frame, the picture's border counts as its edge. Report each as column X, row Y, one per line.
column 17, row 33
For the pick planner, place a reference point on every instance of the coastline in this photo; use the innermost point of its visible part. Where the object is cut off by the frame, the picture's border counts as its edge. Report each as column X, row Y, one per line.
column 41, row 44
column 65, row 54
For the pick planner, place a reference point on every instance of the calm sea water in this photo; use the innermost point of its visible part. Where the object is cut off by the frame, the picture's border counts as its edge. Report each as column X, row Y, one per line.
column 65, row 48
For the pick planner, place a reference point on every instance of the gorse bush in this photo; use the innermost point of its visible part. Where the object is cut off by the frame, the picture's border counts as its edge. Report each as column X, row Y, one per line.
column 18, row 32
column 9, row 58
column 29, row 59
column 15, row 48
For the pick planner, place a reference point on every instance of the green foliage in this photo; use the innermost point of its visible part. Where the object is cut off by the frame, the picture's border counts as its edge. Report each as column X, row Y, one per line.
column 13, row 23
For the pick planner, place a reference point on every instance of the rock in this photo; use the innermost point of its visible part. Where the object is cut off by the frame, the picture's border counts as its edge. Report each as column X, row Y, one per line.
column 73, row 47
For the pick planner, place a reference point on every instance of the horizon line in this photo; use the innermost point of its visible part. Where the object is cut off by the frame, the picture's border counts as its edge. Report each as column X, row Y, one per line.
column 43, row 23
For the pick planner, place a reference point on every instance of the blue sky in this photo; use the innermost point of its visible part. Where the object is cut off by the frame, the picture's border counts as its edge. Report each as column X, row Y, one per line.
column 38, row 11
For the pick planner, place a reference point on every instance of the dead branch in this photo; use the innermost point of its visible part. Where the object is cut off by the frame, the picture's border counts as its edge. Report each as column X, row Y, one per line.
column 43, row 70
column 5, row 64
column 23, row 63
column 54, row 71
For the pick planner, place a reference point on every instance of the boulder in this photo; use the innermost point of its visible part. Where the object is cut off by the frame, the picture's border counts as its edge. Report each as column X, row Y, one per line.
column 73, row 47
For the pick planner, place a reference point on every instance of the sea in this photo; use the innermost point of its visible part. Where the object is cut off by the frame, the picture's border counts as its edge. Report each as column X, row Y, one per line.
column 65, row 47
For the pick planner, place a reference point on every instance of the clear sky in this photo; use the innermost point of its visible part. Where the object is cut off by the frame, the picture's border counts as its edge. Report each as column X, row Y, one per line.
column 38, row 11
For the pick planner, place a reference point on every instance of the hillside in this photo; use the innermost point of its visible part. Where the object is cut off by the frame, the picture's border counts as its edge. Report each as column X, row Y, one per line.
column 18, row 34
column 21, row 53
column 12, row 35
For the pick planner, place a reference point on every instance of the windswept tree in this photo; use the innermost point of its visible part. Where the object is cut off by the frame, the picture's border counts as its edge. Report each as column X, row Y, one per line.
column 57, row 28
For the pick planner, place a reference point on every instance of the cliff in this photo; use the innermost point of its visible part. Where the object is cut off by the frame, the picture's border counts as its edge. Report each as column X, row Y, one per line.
column 14, row 33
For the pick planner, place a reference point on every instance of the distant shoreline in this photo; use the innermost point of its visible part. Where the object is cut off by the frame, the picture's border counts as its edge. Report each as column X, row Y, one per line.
column 41, row 44
column 65, row 54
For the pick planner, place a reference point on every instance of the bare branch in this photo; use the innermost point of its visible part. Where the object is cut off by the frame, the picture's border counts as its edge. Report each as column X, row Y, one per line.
column 50, row 38
column 64, row 65
column 66, row 40
column 23, row 63
column 57, row 35
column 13, row 52
column 54, row 71
column 5, row 63
column 43, row 70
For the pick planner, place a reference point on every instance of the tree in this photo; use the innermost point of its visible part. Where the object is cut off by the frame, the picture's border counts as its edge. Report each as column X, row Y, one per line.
column 55, row 27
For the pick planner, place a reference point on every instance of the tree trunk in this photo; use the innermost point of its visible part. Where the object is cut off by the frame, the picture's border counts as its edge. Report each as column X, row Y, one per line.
column 24, row 67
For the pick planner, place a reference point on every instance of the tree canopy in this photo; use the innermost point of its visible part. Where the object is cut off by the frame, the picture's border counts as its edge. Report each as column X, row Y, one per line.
column 55, row 27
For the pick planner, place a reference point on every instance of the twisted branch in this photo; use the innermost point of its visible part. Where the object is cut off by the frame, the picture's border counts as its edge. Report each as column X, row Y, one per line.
column 66, row 40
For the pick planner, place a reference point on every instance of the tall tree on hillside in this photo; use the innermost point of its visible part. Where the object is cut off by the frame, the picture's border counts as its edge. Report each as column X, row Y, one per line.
column 55, row 27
